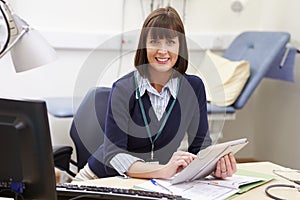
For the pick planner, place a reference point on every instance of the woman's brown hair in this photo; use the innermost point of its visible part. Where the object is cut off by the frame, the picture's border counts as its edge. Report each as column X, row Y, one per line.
column 162, row 23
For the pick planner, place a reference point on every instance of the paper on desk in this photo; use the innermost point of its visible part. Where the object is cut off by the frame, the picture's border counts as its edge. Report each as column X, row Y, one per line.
column 264, row 179
column 207, row 192
column 202, row 189
column 190, row 190
column 236, row 181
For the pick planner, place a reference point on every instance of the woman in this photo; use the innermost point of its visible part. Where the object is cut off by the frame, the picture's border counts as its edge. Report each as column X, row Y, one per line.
column 152, row 108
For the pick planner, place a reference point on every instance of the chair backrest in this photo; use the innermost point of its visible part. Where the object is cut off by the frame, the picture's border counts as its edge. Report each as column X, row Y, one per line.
column 261, row 49
column 87, row 129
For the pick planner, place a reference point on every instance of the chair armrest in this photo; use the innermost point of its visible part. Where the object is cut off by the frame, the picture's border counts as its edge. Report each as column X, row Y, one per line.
column 62, row 158
column 61, row 149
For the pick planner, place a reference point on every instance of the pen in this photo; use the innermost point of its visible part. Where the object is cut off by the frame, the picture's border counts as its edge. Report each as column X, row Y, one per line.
column 154, row 182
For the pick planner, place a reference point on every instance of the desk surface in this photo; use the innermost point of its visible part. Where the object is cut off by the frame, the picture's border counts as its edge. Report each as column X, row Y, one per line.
column 256, row 193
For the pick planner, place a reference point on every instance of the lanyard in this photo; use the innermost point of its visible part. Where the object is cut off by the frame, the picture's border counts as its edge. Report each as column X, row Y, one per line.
column 145, row 118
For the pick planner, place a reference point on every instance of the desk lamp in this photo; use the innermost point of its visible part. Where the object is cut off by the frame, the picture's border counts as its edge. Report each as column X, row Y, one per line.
column 27, row 47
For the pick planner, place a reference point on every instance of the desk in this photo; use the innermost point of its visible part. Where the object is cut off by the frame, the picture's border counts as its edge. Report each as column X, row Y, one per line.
column 256, row 193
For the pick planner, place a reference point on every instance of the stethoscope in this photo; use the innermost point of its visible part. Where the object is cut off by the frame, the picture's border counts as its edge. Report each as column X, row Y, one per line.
column 269, row 194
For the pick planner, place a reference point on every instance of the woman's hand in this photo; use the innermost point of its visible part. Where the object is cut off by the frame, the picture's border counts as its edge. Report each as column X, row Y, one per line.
column 226, row 167
column 177, row 163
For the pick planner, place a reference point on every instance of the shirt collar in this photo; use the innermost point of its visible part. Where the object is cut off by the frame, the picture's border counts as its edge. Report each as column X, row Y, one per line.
column 144, row 84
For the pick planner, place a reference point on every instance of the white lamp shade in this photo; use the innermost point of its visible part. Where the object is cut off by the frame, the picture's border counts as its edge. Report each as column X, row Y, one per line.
column 31, row 51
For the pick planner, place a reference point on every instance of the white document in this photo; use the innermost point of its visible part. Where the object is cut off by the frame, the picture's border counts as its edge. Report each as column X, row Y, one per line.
column 204, row 189
column 192, row 190
column 207, row 159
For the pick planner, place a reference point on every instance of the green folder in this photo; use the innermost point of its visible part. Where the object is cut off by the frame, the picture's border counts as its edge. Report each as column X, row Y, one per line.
column 245, row 188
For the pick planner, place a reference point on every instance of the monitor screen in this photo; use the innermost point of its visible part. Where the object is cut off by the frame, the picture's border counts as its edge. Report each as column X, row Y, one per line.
column 27, row 168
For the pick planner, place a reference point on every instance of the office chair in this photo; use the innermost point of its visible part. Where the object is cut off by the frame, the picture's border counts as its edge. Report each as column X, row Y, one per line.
column 86, row 131
column 263, row 50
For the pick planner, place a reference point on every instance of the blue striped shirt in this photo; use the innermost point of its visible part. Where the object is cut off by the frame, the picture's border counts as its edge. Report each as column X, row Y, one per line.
column 159, row 101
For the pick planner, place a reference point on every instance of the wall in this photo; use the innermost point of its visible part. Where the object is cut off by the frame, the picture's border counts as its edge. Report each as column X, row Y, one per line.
column 75, row 28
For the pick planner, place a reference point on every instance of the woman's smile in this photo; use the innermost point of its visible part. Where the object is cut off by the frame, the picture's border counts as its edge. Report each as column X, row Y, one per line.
column 162, row 61
column 162, row 54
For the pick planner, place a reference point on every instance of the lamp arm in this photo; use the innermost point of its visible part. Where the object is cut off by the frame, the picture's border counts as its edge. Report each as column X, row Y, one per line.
column 7, row 26
column 24, row 42
column 24, row 30
column 12, row 29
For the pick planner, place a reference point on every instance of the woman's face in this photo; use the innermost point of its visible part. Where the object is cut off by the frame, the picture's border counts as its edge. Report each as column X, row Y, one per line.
column 162, row 54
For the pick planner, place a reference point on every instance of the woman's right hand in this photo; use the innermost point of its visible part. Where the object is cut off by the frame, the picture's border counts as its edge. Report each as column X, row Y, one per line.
column 177, row 163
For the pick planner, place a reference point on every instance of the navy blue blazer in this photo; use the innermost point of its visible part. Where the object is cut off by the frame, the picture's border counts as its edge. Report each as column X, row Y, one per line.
column 125, row 130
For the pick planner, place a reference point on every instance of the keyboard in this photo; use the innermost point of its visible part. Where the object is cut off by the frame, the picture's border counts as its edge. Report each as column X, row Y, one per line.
column 70, row 191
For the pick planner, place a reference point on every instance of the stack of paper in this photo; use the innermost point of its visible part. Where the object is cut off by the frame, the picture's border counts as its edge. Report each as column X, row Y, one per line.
column 209, row 188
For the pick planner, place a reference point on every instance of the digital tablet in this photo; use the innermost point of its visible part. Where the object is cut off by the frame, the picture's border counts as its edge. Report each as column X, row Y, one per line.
column 206, row 160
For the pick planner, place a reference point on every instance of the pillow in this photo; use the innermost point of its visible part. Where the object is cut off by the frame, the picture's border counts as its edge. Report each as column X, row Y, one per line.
column 223, row 79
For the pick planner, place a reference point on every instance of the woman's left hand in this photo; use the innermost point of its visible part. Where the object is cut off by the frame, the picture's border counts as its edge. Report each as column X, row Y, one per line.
column 226, row 166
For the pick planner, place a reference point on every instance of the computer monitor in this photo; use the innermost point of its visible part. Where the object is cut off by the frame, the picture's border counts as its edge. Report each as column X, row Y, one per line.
column 27, row 168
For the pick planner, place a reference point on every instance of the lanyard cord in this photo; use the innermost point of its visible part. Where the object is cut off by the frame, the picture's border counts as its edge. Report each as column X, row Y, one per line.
column 144, row 114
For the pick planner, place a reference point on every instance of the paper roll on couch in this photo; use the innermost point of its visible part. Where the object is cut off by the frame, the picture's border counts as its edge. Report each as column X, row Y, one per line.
column 265, row 51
